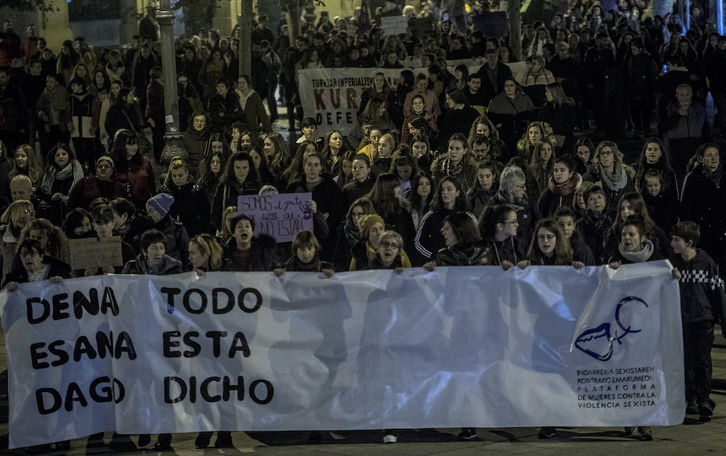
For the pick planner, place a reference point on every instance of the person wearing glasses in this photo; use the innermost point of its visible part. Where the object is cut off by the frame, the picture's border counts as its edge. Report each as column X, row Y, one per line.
column 498, row 231
column 367, row 248
column 513, row 193
column 596, row 223
column 36, row 267
column 388, row 254
column 610, row 173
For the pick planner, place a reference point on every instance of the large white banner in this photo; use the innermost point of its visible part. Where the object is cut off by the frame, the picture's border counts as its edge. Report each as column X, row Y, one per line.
column 474, row 346
column 333, row 95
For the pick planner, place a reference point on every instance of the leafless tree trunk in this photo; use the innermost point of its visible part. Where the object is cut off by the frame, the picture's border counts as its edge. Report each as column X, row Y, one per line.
column 515, row 27
column 245, row 36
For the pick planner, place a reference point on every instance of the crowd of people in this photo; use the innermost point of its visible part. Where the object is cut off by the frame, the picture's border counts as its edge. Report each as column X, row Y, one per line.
column 491, row 167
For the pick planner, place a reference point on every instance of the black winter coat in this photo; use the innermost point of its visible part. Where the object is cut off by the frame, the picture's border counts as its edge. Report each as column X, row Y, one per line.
column 177, row 239
column 702, row 290
column 57, row 269
column 190, row 207
column 263, row 255
column 330, row 200
column 464, row 255
column 704, row 202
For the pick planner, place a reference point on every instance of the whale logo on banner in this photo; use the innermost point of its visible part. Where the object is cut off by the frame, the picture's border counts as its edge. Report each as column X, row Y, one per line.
column 598, row 342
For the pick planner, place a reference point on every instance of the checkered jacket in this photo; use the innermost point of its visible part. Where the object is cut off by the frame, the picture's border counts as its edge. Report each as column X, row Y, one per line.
column 702, row 290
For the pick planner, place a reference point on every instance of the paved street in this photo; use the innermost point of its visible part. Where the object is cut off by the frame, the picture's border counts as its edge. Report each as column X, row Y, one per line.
column 690, row 438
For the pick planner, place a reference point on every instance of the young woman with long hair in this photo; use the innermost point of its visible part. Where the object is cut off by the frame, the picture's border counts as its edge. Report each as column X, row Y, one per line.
column 386, row 198
column 560, row 113
column 349, row 234
column 549, row 246
column 27, row 163
column 62, row 172
column 421, row 195
column 457, row 163
column 535, row 134
column 498, row 230
column 567, row 220
column 239, row 178
column 133, row 168
column 560, row 187
column 449, row 198
column 653, row 157
column 487, row 183
column 633, row 204
column 332, row 149
column 541, row 165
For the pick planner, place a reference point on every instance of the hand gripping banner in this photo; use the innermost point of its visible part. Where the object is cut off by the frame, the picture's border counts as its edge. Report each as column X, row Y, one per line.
column 474, row 346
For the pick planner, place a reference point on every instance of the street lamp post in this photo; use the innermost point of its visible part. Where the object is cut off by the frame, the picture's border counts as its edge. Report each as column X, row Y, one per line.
column 172, row 137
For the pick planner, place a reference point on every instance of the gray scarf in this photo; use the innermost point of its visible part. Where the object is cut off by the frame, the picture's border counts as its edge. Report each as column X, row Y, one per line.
column 638, row 256
column 614, row 181
column 69, row 171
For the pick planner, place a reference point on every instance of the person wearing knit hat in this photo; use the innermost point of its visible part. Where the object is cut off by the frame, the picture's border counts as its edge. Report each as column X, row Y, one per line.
column 99, row 184
column 367, row 222
column 177, row 237
column 107, row 159
column 158, row 206
column 371, row 227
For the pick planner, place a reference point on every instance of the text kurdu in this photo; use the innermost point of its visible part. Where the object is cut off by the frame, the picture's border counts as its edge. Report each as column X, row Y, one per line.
column 335, row 99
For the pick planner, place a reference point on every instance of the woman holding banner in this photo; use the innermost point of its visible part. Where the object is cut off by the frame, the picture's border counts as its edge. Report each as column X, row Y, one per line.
column 389, row 255
column 246, row 251
column 463, row 248
column 153, row 260
column 37, row 267
column 205, row 255
column 635, row 247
